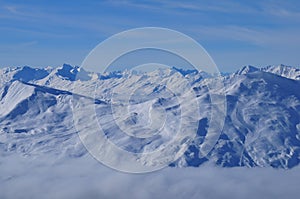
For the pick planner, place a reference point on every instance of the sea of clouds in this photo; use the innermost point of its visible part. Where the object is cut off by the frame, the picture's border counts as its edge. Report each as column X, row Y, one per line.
column 52, row 177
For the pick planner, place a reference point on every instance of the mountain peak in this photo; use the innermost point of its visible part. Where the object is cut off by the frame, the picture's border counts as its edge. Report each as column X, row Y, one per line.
column 27, row 73
column 246, row 69
column 284, row 71
column 184, row 72
column 67, row 71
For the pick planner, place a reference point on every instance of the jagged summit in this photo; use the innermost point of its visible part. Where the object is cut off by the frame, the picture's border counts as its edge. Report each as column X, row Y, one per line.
column 27, row 73
column 284, row 71
column 72, row 73
column 67, row 71
column 185, row 72
column 246, row 69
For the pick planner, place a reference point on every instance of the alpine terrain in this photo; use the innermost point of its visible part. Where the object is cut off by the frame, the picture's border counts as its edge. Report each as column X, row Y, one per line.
column 261, row 119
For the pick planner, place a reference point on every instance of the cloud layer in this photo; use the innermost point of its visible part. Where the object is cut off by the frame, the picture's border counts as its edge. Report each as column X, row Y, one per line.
column 49, row 177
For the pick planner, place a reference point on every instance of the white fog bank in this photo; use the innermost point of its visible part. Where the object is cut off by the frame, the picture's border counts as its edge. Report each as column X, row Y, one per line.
column 86, row 178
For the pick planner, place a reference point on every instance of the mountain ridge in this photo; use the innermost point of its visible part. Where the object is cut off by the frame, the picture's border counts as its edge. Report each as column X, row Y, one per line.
column 251, row 136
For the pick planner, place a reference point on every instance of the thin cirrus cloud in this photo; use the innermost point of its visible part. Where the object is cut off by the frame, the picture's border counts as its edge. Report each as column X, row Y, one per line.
column 260, row 37
column 61, row 18
column 37, row 17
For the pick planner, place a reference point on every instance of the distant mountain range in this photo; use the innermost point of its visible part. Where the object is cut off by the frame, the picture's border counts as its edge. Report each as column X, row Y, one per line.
column 262, row 119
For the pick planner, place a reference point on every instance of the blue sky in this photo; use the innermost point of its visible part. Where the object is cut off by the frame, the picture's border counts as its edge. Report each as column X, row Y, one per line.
column 235, row 33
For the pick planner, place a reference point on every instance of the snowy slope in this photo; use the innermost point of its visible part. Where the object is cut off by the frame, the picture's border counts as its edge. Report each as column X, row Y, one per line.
column 262, row 123
column 37, row 121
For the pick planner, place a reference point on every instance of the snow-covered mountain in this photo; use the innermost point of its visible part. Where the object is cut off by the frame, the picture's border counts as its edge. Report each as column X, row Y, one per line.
column 262, row 119
column 284, row 71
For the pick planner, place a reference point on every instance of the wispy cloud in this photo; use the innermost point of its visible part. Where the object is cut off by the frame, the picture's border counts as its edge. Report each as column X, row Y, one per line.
column 11, row 9
column 209, row 6
column 264, row 37
column 176, row 6
column 17, row 46
column 39, row 18
column 263, row 7
column 26, row 44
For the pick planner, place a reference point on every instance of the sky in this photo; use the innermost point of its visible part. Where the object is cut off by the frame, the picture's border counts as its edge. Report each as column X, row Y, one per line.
column 43, row 33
